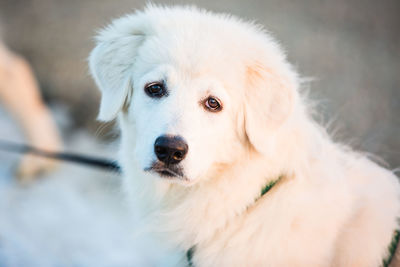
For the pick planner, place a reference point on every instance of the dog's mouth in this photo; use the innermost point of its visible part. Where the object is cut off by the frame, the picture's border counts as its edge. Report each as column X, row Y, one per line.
column 166, row 171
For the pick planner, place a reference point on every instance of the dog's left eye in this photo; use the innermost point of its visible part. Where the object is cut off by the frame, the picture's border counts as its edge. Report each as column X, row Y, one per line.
column 155, row 89
column 212, row 104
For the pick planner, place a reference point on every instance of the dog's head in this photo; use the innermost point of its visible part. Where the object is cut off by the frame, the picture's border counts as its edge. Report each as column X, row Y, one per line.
column 193, row 89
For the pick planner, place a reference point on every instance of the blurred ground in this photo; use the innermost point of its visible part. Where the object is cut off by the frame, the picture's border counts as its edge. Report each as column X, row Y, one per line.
column 351, row 48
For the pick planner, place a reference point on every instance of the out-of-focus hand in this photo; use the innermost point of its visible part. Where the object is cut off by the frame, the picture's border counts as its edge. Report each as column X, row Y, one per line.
column 20, row 94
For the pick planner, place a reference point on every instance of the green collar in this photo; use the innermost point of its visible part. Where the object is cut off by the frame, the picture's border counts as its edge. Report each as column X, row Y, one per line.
column 268, row 187
column 189, row 256
column 264, row 190
column 392, row 248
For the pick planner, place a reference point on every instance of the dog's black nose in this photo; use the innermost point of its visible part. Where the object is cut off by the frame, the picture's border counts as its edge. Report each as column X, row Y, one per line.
column 170, row 149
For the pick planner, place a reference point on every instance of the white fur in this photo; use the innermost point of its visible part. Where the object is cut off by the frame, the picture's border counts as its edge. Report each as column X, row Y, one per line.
column 331, row 207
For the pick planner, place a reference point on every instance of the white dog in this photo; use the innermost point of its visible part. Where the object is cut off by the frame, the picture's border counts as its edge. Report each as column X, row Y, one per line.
column 219, row 150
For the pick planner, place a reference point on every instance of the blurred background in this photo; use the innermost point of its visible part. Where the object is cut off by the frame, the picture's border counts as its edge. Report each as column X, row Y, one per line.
column 350, row 49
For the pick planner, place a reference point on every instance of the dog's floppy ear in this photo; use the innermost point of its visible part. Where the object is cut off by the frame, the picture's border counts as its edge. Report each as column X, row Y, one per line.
column 269, row 101
column 111, row 63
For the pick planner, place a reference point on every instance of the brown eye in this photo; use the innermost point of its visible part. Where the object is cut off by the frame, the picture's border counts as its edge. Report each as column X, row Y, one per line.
column 212, row 104
column 155, row 89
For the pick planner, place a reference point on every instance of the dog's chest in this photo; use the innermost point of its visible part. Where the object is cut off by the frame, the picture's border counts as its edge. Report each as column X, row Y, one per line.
column 276, row 231
column 274, row 241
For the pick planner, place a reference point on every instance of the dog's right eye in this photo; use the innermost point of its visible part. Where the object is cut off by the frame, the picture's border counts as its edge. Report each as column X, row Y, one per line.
column 155, row 89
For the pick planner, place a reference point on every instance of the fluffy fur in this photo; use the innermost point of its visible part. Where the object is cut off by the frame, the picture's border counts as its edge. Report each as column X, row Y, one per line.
column 331, row 207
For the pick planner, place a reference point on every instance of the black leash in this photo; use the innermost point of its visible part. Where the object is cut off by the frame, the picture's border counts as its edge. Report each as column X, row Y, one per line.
column 102, row 163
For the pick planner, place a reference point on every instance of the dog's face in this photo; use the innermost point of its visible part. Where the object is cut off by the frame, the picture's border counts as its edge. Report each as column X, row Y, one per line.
column 182, row 117
column 183, row 121
column 194, row 90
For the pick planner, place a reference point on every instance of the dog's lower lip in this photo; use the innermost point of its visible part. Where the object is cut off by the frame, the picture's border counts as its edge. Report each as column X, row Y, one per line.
column 166, row 172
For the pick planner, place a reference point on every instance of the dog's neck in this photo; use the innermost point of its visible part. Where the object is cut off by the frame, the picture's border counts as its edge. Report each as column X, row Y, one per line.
column 214, row 202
